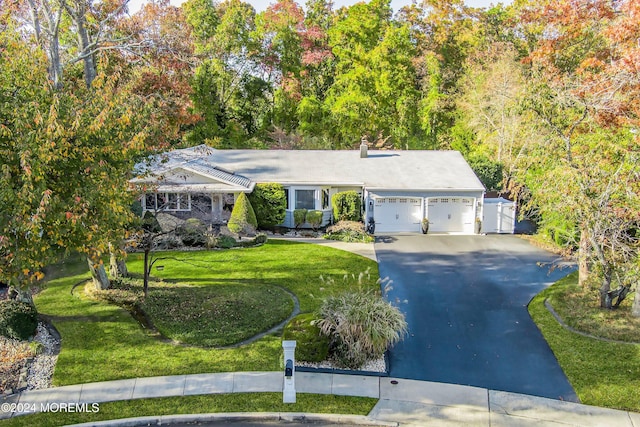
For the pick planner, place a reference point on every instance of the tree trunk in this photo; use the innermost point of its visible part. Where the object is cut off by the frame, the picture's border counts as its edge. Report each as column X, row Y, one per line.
column 146, row 272
column 583, row 263
column 19, row 294
column 605, row 298
column 635, row 308
column 90, row 72
column 117, row 266
column 99, row 275
column 55, row 63
column 85, row 47
column 49, row 38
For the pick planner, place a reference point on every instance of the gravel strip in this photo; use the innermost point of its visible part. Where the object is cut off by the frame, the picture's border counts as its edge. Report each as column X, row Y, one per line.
column 41, row 368
column 372, row 366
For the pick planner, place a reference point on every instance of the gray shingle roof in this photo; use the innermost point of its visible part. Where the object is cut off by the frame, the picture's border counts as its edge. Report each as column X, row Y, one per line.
column 391, row 170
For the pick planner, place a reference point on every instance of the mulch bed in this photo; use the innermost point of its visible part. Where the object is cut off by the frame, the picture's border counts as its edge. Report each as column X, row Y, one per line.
column 13, row 358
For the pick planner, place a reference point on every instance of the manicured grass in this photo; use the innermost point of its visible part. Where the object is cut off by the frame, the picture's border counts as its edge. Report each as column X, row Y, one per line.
column 294, row 266
column 253, row 402
column 580, row 308
column 602, row 373
column 205, row 315
column 103, row 342
column 216, row 315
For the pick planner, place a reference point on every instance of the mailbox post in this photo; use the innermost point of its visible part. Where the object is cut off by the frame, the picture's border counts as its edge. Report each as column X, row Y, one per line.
column 289, row 390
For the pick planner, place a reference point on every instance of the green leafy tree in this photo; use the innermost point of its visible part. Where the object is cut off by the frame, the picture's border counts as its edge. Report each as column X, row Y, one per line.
column 229, row 91
column 347, row 206
column 66, row 158
column 373, row 92
column 488, row 172
column 269, row 203
column 582, row 104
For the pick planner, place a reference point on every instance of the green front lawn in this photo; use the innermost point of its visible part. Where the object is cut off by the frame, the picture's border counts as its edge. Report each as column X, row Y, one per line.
column 214, row 315
column 603, row 373
column 103, row 342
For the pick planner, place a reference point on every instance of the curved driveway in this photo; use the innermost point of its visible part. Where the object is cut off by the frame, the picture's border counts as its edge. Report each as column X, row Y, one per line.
column 465, row 299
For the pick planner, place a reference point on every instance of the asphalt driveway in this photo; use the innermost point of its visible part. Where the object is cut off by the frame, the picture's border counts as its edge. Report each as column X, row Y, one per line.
column 465, row 299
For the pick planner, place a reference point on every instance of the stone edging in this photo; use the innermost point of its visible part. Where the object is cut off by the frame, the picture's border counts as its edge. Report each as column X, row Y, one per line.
column 549, row 307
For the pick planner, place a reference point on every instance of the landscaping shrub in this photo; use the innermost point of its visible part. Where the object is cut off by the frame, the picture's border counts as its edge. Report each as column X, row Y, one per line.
column 269, row 203
column 314, row 218
column 18, row 320
column 361, row 326
column 311, row 344
column 348, row 231
column 347, row 206
column 225, row 242
column 243, row 218
column 258, row 240
column 168, row 242
column 193, row 233
column 150, row 223
column 299, row 217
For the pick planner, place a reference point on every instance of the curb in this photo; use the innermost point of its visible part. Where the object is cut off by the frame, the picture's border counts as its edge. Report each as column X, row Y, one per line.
column 351, row 420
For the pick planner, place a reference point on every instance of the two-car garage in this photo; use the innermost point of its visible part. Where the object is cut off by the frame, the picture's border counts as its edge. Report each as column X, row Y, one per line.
column 446, row 214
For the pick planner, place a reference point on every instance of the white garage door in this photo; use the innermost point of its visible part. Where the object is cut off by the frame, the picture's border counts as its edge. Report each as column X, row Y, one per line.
column 394, row 214
column 450, row 215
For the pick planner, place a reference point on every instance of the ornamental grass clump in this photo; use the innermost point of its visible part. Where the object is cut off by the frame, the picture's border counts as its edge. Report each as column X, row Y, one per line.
column 361, row 325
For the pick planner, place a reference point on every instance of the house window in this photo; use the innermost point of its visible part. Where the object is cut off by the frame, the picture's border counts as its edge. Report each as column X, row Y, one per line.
column 168, row 202
column 306, row 199
column 150, row 202
column 286, row 196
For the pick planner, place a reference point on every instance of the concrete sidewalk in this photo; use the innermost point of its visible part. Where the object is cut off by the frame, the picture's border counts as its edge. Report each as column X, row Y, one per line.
column 401, row 402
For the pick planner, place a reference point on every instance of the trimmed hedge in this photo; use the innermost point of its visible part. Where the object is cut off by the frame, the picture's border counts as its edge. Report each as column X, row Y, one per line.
column 269, row 204
column 347, row 206
column 311, row 344
column 314, row 218
column 243, row 218
column 299, row 217
column 18, row 320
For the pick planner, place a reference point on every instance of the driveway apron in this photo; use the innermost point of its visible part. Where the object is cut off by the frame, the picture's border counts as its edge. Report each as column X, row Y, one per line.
column 465, row 300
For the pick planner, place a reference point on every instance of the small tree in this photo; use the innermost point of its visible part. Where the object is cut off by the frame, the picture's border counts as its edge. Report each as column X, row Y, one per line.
column 243, row 218
column 299, row 217
column 314, row 218
column 347, row 206
column 269, row 203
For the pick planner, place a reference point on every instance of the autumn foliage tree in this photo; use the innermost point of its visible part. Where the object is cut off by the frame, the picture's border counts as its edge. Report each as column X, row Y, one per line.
column 583, row 93
column 66, row 156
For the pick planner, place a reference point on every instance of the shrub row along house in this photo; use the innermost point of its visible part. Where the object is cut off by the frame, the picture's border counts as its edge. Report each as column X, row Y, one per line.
column 398, row 189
